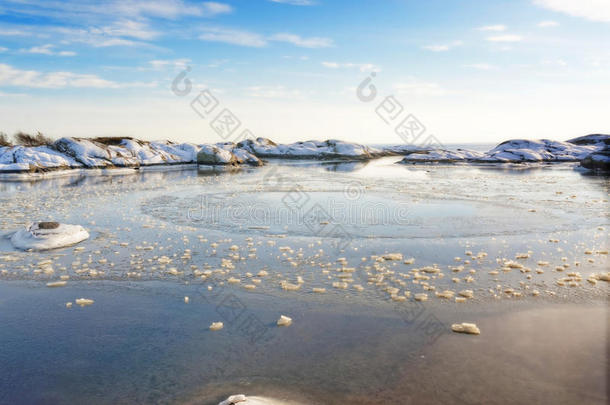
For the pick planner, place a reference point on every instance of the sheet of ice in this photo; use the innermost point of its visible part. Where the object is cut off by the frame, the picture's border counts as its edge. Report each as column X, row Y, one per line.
column 39, row 237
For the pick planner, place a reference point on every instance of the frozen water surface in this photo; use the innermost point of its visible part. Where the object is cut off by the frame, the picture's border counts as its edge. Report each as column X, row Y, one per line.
column 520, row 237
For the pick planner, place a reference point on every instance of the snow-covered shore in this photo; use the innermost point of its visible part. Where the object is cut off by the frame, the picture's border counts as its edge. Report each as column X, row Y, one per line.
column 517, row 151
column 128, row 155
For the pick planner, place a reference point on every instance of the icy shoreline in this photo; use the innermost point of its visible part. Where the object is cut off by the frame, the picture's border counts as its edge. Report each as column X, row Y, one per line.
column 127, row 155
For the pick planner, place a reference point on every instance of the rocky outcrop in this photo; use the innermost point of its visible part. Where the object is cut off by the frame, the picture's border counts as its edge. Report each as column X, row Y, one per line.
column 598, row 161
column 516, row 151
column 329, row 149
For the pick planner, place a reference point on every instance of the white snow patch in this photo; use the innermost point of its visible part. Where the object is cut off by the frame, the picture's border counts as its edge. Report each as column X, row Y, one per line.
column 35, row 238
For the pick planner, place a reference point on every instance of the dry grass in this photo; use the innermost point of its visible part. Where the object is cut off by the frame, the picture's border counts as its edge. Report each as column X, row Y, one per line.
column 24, row 139
column 4, row 141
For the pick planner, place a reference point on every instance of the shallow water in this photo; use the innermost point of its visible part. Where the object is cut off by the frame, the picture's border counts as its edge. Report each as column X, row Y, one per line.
column 154, row 235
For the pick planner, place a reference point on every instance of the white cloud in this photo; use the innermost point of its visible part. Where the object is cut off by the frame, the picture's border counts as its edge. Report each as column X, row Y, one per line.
column 295, row 2
column 271, row 92
column 252, row 39
column 127, row 28
column 595, row 10
column 363, row 67
column 496, row 28
column 546, row 24
column 212, row 8
column 3, row 49
column 419, row 88
column 43, row 50
column 13, row 33
column 312, row 42
column 10, row 76
column 480, row 66
column 176, row 63
column 47, row 50
column 235, row 37
column 505, row 38
column 170, row 9
column 442, row 47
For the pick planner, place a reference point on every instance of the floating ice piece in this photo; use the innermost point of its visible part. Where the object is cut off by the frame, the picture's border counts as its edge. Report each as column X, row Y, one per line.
column 56, row 284
column 421, row 297
column 68, row 305
column 466, row 293
column 216, row 326
column 186, row 300
column 465, row 327
column 319, row 290
column 84, row 301
column 392, row 256
column 48, row 235
column 284, row 321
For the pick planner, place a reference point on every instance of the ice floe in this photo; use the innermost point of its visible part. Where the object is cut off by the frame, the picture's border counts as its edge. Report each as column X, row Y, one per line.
column 48, row 235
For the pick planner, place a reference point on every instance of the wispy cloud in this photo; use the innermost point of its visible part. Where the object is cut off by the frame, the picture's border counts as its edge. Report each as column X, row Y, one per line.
column 212, row 8
column 363, row 67
column 47, row 49
column 505, row 38
column 546, row 24
column 418, row 88
column 595, row 10
column 312, row 42
column 3, row 49
column 13, row 33
column 295, row 2
column 234, row 37
column 159, row 64
column 253, row 39
column 496, row 28
column 127, row 28
column 11, row 76
column 442, row 47
column 271, row 92
column 480, row 66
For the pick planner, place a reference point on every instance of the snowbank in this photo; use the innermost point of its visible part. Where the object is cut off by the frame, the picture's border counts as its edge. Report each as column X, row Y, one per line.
column 48, row 235
column 518, row 151
column 112, row 153
column 329, row 149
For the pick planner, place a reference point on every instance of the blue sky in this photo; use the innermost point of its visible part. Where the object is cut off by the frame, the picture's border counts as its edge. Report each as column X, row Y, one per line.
column 470, row 71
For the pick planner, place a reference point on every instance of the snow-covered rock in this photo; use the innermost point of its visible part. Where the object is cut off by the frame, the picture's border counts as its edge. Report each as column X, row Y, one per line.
column 48, row 235
column 517, row 151
column 593, row 139
column 16, row 158
column 329, row 149
column 599, row 160
column 542, row 150
column 441, row 155
column 213, row 155
column 241, row 399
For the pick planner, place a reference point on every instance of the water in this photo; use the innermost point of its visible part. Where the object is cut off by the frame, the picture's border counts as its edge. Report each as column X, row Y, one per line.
column 140, row 343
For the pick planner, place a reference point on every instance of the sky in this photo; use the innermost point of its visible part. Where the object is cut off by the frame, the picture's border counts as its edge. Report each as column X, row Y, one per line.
column 466, row 71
